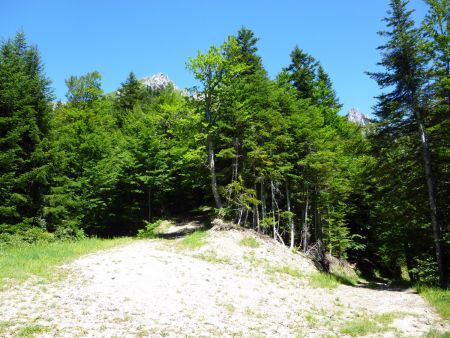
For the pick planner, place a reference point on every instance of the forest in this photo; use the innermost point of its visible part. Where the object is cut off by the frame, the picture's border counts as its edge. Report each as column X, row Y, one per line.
column 271, row 154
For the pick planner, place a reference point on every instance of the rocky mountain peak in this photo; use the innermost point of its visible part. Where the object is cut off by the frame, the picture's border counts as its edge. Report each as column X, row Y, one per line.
column 357, row 117
column 156, row 81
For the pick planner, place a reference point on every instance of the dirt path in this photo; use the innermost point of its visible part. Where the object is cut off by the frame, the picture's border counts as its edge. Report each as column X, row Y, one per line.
column 153, row 288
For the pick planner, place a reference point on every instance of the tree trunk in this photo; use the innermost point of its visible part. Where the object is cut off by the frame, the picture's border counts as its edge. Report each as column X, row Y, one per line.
column 212, row 171
column 305, row 230
column 263, row 201
column 149, row 205
column 435, row 222
column 273, row 211
column 291, row 223
column 256, row 212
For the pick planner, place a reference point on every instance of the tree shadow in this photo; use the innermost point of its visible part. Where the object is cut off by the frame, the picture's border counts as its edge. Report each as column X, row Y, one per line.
column 396, row 286
column 186, row 225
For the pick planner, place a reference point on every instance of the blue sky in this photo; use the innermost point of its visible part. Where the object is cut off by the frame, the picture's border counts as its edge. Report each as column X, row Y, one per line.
column 115, row 37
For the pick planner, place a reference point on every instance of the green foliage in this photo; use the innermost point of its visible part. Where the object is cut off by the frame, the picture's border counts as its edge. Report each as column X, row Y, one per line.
column 25, row 98
column 409, row 145
column 150, row 230
column 83, row 90
column 273, row 155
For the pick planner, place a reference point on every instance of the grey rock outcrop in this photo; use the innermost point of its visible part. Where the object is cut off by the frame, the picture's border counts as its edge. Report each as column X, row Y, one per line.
column 355, row 116
column 157, row 81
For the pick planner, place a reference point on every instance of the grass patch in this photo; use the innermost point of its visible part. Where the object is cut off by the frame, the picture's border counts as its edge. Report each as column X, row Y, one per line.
column 364, row 325
column 32, row 330
column 229, row 307
column 256, row 262
column 331, row 280
column 249, row 241
column 5, row 325
column 438, row 298
column 212, row 257
column 21, row 261
column 437, row 334
column 285, row 269
column 311, row 320
column 194, row 240
column 323, row 280
column 345, row 278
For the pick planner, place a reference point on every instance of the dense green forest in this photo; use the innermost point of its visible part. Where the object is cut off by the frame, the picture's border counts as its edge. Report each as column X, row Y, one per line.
column 273, row 155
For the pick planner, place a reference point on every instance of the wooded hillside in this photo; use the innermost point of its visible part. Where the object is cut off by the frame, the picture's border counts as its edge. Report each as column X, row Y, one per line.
column 273, row 155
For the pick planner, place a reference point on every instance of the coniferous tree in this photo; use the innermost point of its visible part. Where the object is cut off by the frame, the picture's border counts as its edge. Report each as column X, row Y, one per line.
column 25, row 105
column 404, row 110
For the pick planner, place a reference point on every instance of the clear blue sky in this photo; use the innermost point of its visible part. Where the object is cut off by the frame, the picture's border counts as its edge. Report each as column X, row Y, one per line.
column 149, row 36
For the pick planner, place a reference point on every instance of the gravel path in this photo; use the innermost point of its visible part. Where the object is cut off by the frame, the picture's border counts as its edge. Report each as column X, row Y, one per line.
column 154, row 288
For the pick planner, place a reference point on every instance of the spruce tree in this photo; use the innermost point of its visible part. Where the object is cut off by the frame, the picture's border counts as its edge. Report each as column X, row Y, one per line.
column 25, row 105
column 403, row 110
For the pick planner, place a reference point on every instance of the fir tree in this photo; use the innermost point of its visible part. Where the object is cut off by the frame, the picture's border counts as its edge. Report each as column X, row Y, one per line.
column 25, row 98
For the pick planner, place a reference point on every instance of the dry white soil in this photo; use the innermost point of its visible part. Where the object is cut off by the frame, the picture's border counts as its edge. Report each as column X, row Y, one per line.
column 155, row 288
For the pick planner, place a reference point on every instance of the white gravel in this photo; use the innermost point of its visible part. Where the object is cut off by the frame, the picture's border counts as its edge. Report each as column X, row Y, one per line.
column 153, row 288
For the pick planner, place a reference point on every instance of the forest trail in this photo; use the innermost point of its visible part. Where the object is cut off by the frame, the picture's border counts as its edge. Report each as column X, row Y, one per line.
column 223, row 288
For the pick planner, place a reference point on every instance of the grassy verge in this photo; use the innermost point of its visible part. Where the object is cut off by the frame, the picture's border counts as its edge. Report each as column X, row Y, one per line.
column 194, row 240
column 21, row 261
column 438, row 298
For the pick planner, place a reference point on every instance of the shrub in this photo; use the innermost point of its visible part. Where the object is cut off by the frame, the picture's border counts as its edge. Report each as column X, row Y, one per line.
column 150, row 230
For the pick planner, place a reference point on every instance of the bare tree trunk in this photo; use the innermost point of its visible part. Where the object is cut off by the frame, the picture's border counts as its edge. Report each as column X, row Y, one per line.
column 435, row 222
column 256, row 213
column 305, row 230
column 273, row 211
column 263, row 201
column 212, row 171
column 149, row 205
column 291, row 223
column 241, row 211
column 246, row 216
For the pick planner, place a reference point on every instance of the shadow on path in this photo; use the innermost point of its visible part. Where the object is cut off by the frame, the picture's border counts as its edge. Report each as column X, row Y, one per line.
column 186, row 225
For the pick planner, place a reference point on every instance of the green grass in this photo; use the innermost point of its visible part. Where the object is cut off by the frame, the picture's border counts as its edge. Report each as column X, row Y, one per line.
column 212, row 257
column 249, row 241
column 323, row 280
column 331, row 280
column 4, row 325
column 229, row 307
column 31, row 330
column 365, row 325
column 438, row 298
column 21, row 261
column 194, row 240
column 437, row 334
column 285, row 269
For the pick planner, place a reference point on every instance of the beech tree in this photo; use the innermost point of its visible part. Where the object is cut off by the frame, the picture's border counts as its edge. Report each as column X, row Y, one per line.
column 214, row 71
